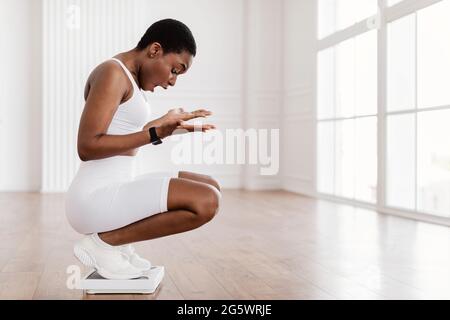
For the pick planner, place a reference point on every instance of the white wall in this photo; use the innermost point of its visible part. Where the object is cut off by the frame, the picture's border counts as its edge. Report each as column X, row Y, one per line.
column 237, row 74
column 254, row 69
column 20, row 95
column 263, row 79
column 299, row 112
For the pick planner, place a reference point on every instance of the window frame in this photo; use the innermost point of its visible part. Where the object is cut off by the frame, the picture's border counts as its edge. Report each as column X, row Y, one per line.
column 380, row 21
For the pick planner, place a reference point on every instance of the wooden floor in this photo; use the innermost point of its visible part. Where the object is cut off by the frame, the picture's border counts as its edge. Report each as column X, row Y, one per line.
column 262, row 245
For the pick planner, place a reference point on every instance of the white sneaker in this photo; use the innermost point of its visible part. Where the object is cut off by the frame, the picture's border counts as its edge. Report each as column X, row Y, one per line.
column 138, row 262
column 109, row 262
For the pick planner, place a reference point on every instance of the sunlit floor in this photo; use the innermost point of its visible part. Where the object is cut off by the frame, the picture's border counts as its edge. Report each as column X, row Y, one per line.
column 262, row 245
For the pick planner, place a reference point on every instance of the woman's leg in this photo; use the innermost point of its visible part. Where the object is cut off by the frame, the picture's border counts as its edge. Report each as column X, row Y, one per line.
column 199, row 177
column 190, row 204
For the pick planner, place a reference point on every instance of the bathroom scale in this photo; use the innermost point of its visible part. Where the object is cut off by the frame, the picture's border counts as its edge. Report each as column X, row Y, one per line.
column 93, row 283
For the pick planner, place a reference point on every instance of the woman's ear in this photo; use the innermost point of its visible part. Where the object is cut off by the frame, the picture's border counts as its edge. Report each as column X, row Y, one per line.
column 154, row 50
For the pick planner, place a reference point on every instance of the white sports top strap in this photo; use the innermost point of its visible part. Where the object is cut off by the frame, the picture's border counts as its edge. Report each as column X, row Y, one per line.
column 128, row 73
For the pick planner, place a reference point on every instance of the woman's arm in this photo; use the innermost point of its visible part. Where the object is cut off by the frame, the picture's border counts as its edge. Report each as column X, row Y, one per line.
column 107, row 89
column 105, row 146
column 165, row 126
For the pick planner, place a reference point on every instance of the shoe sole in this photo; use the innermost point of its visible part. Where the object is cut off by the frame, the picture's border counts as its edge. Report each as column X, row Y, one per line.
column 85, row 258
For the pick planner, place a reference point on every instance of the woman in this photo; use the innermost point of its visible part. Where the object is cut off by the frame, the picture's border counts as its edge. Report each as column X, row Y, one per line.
column 105, row 201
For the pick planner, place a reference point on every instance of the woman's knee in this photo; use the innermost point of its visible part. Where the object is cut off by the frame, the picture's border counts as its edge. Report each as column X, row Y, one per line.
column 200, row 178
column 211, row 181
column 208, row 203
column 214, row 183
column 199, row 197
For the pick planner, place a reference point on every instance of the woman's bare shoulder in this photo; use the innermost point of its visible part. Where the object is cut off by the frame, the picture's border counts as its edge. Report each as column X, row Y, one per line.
column 105, row 70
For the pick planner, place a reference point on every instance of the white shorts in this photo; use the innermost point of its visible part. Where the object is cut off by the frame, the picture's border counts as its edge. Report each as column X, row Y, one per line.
column 106, row 195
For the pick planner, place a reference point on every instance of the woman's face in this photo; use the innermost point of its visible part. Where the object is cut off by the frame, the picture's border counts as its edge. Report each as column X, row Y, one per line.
column 159, row 69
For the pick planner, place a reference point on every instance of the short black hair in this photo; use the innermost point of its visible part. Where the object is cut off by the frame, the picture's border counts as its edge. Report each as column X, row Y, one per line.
column 173, row 35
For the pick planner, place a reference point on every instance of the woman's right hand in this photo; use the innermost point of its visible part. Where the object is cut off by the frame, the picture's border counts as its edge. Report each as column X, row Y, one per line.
column 175, row 119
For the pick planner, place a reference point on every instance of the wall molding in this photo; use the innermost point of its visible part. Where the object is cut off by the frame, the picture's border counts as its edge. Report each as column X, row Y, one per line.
column 298, row 90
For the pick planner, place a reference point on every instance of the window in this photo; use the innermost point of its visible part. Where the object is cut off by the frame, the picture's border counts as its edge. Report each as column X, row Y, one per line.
column 336, row 15
column 347, row 108
column 401, row 161
column 433, row 162
column 401, row 64
column 415, row 148
column 418, row 147
column 433, row 55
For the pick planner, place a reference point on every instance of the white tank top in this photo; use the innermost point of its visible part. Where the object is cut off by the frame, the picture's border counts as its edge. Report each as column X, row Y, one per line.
column 133, row 114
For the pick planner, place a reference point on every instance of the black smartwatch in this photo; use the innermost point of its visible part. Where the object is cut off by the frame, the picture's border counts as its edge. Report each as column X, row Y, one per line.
column 154, row 139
